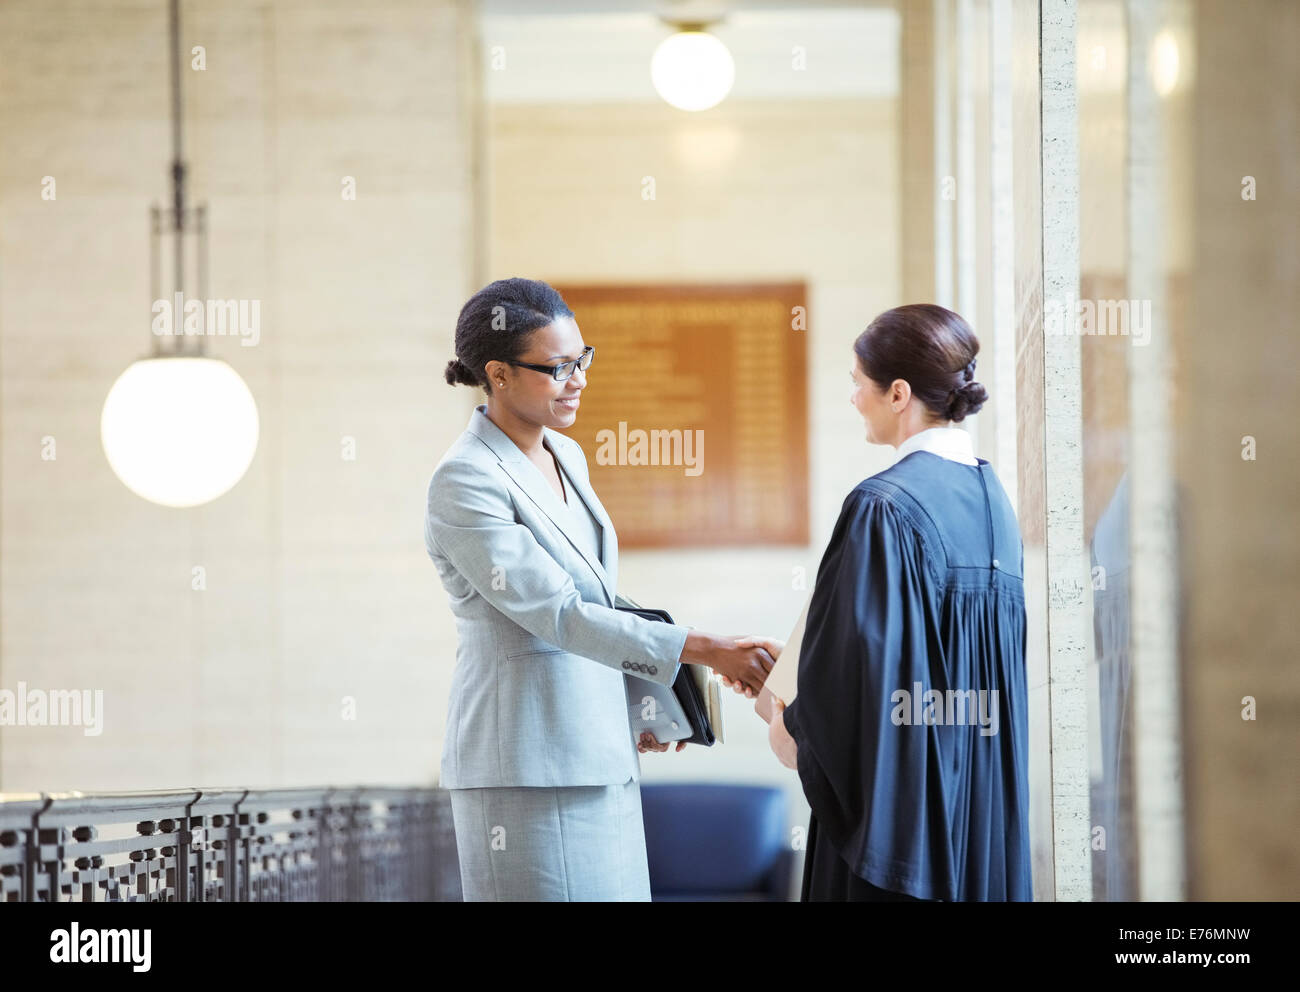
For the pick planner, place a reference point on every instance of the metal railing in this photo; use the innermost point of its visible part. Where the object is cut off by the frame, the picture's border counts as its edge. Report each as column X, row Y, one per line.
column 229, row 845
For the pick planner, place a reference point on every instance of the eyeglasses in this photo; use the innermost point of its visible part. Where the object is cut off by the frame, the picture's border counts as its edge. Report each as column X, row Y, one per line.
column 564, row 369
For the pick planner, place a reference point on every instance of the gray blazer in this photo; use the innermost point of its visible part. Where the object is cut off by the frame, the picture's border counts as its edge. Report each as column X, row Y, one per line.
column 537, row 697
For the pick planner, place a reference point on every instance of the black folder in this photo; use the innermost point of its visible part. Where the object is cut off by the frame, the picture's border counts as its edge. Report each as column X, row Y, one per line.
column 684, row 686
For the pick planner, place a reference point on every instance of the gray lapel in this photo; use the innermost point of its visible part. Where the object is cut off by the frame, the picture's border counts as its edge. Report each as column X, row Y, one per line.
column 527, row 476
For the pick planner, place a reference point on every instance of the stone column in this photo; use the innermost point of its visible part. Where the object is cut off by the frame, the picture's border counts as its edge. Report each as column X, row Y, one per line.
column 1153, row 539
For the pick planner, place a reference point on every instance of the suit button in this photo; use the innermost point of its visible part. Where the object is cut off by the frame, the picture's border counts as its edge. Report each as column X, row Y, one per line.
column 641, row 666
column 626, row 665
column 654, row 671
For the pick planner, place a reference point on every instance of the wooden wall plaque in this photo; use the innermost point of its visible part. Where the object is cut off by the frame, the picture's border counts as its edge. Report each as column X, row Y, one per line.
column 695, row 415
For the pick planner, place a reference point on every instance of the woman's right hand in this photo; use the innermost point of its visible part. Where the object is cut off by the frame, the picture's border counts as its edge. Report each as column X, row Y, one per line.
column 744, row 664
column 768, row 644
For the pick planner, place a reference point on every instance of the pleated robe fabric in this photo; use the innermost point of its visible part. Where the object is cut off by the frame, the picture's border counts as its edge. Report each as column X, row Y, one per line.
column 920, row 591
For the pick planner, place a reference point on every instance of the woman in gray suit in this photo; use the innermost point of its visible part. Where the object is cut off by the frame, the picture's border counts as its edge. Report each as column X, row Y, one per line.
column 539, row 755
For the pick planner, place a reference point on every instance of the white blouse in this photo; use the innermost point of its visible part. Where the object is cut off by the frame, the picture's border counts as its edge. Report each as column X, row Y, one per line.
column 586, row 528
column 952, row 443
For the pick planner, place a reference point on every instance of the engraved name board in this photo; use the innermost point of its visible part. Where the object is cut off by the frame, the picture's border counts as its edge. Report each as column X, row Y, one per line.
column 695, row 417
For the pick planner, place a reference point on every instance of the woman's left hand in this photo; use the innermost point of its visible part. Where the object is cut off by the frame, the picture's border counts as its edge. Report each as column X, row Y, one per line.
column 783, row 745
column 649, row 742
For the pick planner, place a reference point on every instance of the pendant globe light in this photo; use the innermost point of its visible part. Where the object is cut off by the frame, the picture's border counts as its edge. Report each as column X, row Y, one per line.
column 179, row 428
column 691, row 69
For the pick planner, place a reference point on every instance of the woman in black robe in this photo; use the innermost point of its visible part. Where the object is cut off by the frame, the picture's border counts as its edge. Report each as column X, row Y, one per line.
column 909, row 727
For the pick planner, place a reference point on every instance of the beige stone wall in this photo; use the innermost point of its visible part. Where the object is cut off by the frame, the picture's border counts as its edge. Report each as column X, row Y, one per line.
column 1236, row 373
column 318, row 586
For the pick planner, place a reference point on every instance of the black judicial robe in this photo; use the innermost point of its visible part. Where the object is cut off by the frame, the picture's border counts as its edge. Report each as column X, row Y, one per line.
column 911, row 714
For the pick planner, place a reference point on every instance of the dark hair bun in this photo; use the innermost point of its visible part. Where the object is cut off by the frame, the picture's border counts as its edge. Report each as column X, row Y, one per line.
column 932, row 349
column 966, row 400
column 496, row 324
column 460, row 374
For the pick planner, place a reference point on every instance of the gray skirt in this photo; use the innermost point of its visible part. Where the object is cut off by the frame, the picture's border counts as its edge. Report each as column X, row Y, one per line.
column 581, row 843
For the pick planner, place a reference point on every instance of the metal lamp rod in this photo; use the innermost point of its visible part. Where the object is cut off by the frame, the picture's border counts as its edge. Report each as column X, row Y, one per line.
column 178, row 170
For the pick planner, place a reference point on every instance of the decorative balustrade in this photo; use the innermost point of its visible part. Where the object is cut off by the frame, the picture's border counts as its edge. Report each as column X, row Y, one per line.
column 229, row 845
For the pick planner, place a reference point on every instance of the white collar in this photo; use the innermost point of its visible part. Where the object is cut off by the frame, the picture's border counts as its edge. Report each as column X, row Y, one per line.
column 952, row 443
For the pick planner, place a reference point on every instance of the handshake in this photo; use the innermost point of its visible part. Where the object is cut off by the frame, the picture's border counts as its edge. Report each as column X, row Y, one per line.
column 743, row 663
